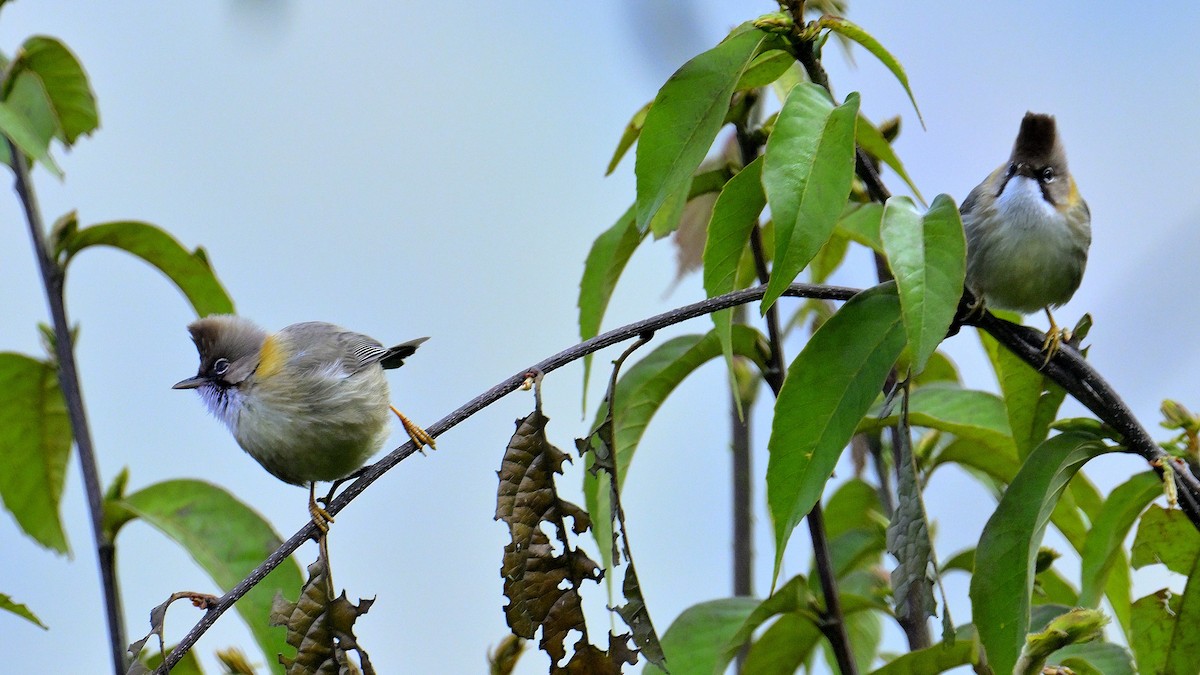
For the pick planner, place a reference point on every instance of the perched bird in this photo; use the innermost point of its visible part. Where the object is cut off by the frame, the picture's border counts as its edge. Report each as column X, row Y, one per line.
column 309, row 403
column 1028, row 230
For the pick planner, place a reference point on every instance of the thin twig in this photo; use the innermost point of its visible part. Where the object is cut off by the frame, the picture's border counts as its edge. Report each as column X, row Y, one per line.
column 68, row 381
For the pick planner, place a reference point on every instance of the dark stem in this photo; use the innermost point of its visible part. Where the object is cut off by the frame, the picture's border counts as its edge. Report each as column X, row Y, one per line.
column 68, row 381
column 743, row 494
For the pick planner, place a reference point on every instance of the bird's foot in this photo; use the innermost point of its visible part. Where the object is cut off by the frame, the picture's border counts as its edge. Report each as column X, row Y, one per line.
column 416, row 433
column 1055, row 337
column 320, row 517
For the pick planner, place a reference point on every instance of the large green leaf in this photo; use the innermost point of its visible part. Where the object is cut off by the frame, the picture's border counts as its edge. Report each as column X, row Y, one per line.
column 854, row 32
column 808, row 170
column 733, row 218
column 191, row 272
column 9, row 605
column 64, row 83
column 605, row 262
column 927, row 255
column 685, row 118
column 35, row 443
column 1030, row 398
column 861, row 222
column 1005, row 559
column 1104, row 544
column 966, row 413
column 227, row 539
column 1155, row 627
column 829, row 387
column 641, row 390
column 784, row 646
column 694, row 642
column 1165, row 536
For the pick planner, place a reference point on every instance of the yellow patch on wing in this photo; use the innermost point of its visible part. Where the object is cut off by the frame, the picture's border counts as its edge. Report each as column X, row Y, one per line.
column 272, row 359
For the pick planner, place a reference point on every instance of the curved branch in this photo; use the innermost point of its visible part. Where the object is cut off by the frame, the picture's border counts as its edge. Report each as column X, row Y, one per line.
column 1067, row 369
column 373, row 472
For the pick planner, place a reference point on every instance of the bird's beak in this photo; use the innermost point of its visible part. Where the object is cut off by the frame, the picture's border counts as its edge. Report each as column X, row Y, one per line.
column 190, row 383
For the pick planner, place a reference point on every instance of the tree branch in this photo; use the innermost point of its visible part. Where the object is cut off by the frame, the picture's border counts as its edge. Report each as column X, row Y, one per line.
column 68, row 381
column 487, row 398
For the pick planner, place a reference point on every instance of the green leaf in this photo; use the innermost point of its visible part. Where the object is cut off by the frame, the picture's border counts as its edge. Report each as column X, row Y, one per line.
column 829, row 387
column 685, row 118
column 641, row 390
column 968, row 414
column 784, row 646
column 695, row 639
column 807, row 175
column 18, row 129
column 1031, row 399
column 873, row 142
column 1095, row 658
column 605, row 261
column 1104, row 544
column 1004, row 560
column 733, row 218
column 65, row 85
column 227, row 539
column 10, row 605
column 849, row 30
column 1165, row 537
column 936, row 659
column 35, row 443
column 927, row 255
column 631, row 133
column 792, row 597
column 190, row 271
column 765, row 69
column 861, row 223
column 1155, row 624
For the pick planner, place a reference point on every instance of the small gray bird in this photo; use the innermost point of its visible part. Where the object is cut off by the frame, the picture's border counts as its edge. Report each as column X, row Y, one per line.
column 309, row 403
column 1028, row 230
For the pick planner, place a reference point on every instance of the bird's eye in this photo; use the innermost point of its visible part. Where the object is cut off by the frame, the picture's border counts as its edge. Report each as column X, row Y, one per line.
column 1048, row 175
column 220, row 366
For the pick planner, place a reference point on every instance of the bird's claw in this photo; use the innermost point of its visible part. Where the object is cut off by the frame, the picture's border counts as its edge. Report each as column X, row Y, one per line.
column 416, row 433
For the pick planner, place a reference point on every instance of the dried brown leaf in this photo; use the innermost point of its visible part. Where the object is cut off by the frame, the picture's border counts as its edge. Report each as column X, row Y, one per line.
column 591, row 660
column 503, row 660
column 533, row 573
column 321, row 627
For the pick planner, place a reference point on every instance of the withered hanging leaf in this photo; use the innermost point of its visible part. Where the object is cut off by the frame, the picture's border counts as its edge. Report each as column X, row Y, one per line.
column 908, row 535
column 503, row 660
column 638, row 619
column 158, row 617
column 533, row 574
column 321, row 627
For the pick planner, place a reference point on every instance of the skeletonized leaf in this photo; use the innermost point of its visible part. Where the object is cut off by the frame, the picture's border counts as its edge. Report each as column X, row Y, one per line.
column 808, row 169
column 9, row 605
column 927, row 255
column 847, row 29
column 684, row 119
column 226, row 538
column 191, row 272
column 829, row 387
column 35, row 443
column 1000, row 602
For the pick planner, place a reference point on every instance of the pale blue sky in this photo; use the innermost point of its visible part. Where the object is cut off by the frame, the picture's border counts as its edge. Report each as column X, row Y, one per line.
column 409, row 169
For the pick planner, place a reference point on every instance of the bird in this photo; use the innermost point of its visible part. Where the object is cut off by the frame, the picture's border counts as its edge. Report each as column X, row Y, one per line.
column 310, row 402
column 1028, row 230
